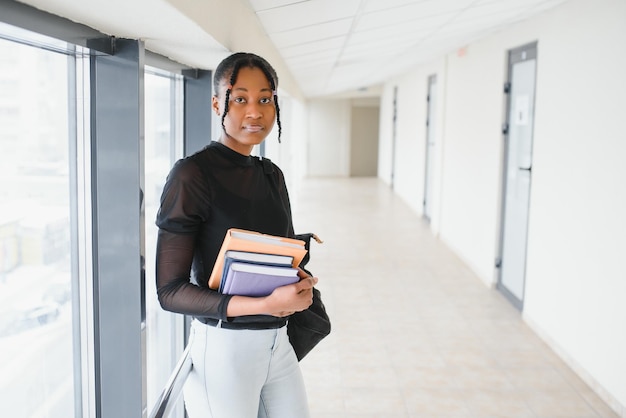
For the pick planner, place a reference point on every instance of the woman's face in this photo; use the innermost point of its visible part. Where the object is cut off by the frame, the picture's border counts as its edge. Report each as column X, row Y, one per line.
column 251, row 111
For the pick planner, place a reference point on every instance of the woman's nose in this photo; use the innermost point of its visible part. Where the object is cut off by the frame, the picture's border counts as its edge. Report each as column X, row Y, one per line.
column 253, row 110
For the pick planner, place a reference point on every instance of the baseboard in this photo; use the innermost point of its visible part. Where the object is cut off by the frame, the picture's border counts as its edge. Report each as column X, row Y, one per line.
column 602, row 393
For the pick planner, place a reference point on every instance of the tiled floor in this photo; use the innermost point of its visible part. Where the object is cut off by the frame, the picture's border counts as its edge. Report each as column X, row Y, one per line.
column 415, row 332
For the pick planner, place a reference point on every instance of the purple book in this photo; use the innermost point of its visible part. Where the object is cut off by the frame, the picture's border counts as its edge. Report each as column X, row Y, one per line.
column 247, row 279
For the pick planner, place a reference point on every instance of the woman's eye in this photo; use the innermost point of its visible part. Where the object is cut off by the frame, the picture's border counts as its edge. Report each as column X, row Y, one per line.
column 239, row 100
column 266, row 100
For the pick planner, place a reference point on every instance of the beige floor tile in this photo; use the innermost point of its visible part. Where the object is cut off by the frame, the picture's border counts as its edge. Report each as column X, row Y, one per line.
column 411, row 356
column 537, row 379
column 598, row 405
column 437, row 403
column 369, row 376
column 375, row 402
column 558, row 404
column 522, row 359
column 453, row 341
column 483, row 379
column 497, row 403
column 467, row 357
column 414, row 379
column 326, row 403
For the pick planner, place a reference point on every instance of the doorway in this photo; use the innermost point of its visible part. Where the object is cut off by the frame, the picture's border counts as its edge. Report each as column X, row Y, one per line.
column 364, row 125
column 393, row 136
column 518, row 144
column 431, row 106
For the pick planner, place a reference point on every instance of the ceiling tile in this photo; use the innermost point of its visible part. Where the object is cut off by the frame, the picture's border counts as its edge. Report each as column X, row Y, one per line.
column 492, row 11
column 315, row 46
column 438, row 11
column 307, row 13
column 400, row 30
column 320, row 59
column 378, row 5
column 259, row 5
column 382, row 46
column 310, row 33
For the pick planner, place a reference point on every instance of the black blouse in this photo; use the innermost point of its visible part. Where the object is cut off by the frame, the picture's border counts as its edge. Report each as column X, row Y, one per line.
column 206, row 194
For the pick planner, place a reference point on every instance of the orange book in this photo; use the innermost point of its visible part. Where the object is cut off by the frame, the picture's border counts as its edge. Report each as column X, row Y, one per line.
column 255, row 242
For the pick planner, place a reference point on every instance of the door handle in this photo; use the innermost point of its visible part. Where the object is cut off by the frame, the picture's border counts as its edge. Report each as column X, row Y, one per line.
column 525, row 168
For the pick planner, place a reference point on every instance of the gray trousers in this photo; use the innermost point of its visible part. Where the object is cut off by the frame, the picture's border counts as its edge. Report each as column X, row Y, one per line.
column 243, row 374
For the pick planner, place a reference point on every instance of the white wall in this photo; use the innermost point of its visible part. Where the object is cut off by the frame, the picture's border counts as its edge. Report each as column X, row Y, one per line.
column 472, row 152
column 575, row 280
column 290, row 153
column 409, row 156
column 329, row 138
column 385, row 133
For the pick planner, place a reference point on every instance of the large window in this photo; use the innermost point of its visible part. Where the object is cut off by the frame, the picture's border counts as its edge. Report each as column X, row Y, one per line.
column 69, row 343
column 36, row 328
column 163, row 145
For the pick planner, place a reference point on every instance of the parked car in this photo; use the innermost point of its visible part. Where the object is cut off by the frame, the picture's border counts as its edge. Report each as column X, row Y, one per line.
column 19, row 320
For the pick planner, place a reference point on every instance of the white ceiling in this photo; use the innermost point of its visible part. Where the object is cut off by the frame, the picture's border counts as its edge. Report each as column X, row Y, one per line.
column 330, row 46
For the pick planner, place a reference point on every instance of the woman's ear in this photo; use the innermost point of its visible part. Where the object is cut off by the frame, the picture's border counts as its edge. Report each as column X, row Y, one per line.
column 215, row 104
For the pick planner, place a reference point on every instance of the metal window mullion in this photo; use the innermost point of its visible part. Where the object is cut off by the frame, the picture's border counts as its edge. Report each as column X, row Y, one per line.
column 83, row 316
column 75, row 196
column 117, row 246
column 197, row 118
column 197, row 97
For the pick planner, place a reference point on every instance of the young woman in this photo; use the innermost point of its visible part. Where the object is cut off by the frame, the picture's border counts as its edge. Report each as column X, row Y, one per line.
column 243, row 363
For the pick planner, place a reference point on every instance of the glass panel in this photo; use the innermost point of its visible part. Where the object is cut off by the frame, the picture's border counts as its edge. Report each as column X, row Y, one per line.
column 36, row 361
column 518, row 178
column 163, row 329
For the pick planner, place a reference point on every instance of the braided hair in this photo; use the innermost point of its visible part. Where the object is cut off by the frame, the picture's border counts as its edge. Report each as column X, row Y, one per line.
column 229, row 68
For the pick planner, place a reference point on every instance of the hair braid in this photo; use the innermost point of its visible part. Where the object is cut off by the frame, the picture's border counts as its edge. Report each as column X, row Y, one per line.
column 229, row 68
column 233, row 78
column 280, row 128
column 270, row 78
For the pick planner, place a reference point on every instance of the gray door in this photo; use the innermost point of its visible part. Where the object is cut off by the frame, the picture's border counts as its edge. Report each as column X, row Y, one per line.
column 393, row 135
column 518, row 136
column 430, row 145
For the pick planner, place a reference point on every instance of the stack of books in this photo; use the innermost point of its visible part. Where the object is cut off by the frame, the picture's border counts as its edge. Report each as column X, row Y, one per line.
column 254, row 264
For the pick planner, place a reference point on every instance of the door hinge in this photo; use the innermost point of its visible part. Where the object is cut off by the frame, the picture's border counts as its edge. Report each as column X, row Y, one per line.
column 507, row 87
column 498, row 262
column 505, row 129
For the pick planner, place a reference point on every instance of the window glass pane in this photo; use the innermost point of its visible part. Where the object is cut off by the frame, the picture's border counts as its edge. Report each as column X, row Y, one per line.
column 163, row 329
column 36, row 348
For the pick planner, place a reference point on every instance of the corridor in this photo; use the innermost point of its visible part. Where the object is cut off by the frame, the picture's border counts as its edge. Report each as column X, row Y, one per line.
column 415, row 332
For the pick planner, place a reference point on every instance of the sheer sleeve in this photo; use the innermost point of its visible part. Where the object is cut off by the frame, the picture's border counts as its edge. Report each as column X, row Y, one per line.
column 185, row 201
column 185, row 205
column 175, row 292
